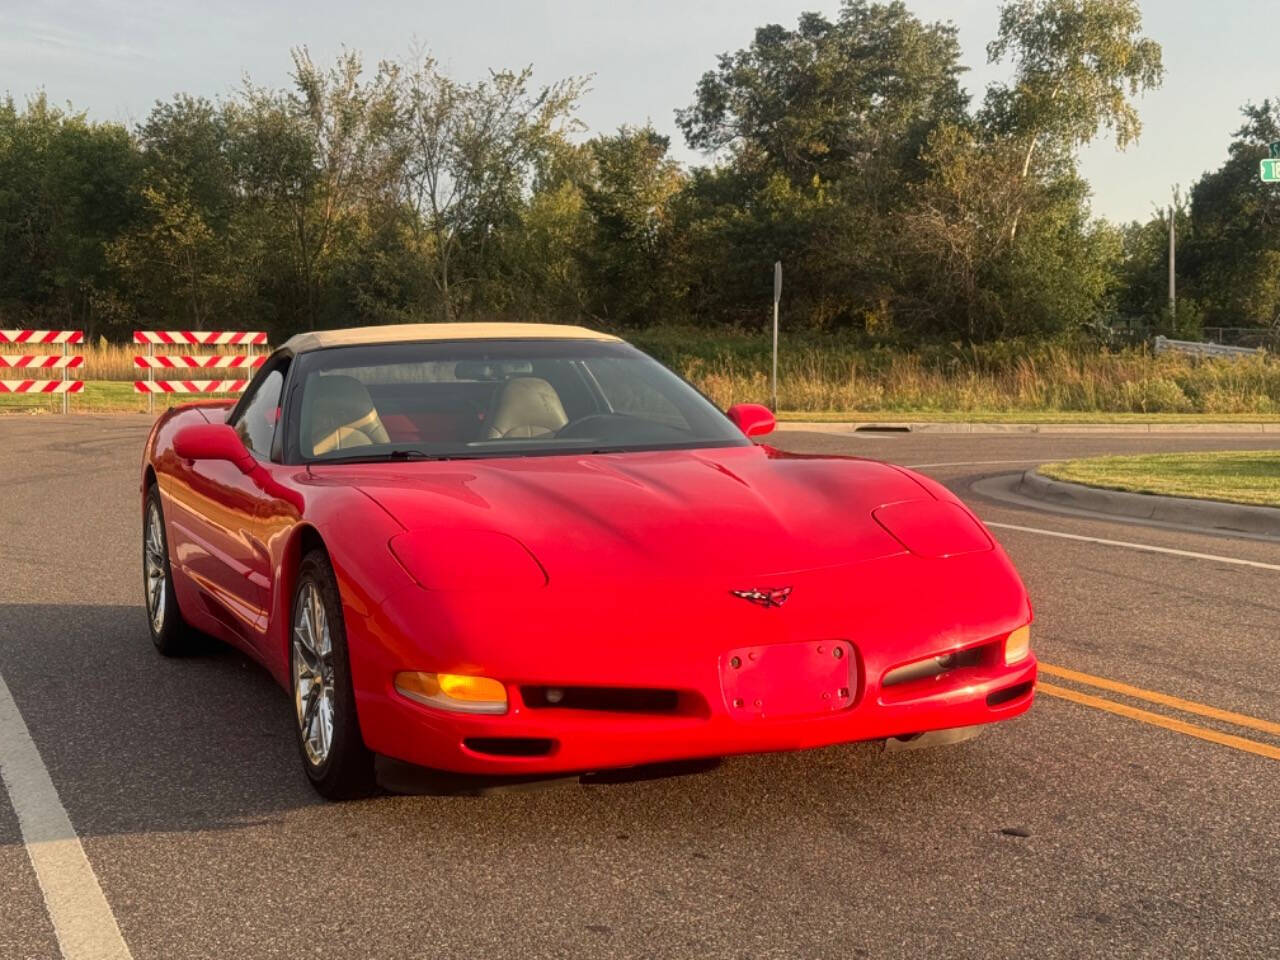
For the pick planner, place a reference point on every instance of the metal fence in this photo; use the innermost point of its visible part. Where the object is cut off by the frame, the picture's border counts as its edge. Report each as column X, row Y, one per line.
column 1244, row 336
column 1133, row 332
column 1198, row 349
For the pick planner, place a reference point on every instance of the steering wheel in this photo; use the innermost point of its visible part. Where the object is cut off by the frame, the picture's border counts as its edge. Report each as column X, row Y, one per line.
column 581, row 428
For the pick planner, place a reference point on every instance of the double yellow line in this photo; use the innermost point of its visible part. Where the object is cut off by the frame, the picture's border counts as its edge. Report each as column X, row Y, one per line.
column 1158, row 719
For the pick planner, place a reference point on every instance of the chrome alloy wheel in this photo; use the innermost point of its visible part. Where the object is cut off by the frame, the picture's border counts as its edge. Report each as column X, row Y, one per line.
column 313, row 674
column 153, row 566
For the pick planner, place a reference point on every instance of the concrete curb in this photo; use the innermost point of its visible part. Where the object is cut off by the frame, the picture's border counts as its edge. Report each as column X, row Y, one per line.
column 884, row 426
column 1185, row 511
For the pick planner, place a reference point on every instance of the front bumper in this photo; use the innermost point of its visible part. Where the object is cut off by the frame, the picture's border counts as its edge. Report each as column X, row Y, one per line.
column 573, row 740
column 885, row 613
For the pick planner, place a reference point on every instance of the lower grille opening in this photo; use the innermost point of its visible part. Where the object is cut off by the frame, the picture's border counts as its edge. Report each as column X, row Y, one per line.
column 605, row 699
column 1008, row 694
column 510, row 746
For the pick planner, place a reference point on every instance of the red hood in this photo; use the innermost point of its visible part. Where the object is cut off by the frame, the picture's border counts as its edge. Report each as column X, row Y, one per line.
column 738, row 511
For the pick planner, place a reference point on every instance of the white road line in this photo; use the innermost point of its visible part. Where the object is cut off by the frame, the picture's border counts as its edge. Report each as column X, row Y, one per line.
column 969, row 463
column 85, row 927
column 1145, row 547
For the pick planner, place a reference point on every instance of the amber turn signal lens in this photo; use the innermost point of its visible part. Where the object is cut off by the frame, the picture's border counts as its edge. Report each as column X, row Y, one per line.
column 1017, row 645
column 453, row 691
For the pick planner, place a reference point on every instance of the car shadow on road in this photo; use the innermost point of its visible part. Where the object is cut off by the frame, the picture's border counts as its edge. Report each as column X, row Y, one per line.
column 136, row 742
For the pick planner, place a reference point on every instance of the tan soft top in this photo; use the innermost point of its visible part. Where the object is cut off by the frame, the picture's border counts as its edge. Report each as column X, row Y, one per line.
column 409, row 332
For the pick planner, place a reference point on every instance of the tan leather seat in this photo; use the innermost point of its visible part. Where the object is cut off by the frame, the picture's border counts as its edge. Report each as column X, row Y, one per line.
column 342, row 415
column 526, row 407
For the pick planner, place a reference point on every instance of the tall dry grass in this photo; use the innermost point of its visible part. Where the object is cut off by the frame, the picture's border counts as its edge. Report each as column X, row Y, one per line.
column 1002, row 378
column 112, row 361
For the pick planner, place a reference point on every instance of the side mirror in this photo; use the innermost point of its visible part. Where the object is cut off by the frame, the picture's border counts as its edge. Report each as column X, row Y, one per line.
column 212, row 441
column 752, row 419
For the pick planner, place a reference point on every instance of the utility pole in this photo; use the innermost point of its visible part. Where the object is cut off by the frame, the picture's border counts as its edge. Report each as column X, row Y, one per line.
column 777, row 295
column 1173, row 209
column 1173, row 256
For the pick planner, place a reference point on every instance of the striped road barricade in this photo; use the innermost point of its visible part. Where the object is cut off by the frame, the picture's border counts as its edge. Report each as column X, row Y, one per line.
column 186, row 363
column 60, row 363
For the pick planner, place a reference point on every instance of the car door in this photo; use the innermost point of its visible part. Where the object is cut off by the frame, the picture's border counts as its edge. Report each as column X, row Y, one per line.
column 233, row 514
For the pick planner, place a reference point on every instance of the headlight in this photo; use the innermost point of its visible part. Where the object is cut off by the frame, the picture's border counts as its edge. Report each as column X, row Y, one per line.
column 1017, row 645
column 453, row 691
column 933, row 528
column 467, row 560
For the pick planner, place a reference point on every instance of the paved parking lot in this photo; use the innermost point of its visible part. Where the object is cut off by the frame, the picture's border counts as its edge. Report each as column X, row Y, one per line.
column 1131, row 813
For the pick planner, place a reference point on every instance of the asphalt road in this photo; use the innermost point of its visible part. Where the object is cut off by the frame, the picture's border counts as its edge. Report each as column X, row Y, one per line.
column 1074, row 831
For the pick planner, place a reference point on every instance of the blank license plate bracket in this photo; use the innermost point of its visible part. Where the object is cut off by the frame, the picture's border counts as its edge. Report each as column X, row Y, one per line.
column 788, row 679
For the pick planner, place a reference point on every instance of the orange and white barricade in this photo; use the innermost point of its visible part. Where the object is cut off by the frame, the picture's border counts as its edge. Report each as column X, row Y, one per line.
column 59, row 362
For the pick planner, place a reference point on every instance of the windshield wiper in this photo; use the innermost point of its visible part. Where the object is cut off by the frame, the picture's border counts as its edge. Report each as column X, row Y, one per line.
column 390, row 456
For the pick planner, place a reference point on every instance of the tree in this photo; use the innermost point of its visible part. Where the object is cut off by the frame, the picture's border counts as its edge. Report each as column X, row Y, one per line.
column 469, row 151
column 68, row 187
column 1078, row 64
column 997, row 240
column 1231, row 257
column 312, row 162
column 183, row 261
column 822, row 127
column 545, row 255
column 856, row 96
column 629, row 258
column 962, row 273
column 843, row 146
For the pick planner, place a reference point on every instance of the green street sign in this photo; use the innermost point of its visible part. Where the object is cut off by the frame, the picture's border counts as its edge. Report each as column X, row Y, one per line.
column 1271, row 171
column 1274, row 148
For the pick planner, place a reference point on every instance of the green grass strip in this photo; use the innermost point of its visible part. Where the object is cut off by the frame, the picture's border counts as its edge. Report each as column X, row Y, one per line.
column 1237, row 476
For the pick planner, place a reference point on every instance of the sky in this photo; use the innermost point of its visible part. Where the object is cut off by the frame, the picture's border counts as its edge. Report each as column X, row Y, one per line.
column 114, row 59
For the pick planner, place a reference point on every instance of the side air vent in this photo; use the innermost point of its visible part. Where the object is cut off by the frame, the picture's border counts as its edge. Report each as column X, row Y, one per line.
column 602, row 699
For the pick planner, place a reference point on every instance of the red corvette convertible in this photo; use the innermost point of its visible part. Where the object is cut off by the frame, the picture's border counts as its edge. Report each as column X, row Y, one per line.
column 527, row 549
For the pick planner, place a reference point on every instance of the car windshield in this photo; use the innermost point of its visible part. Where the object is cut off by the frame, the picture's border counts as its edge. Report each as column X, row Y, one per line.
column 462, row 399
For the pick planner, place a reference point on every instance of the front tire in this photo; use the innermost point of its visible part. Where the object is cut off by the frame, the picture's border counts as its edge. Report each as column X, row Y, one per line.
column 169, row 632
column 334, row 756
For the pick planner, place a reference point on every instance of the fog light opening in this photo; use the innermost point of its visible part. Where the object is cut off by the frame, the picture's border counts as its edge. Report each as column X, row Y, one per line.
column 1008, row 694
column 510, row 746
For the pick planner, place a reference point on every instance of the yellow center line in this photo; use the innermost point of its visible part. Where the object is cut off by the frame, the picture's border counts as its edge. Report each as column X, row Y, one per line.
column 1158, row 720
column 1152, row 696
